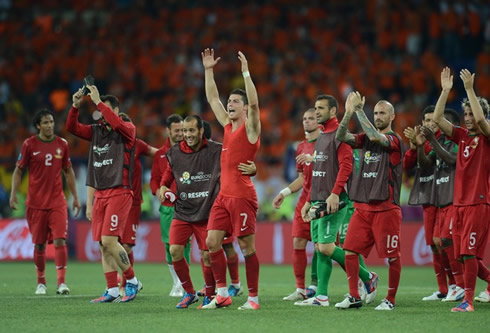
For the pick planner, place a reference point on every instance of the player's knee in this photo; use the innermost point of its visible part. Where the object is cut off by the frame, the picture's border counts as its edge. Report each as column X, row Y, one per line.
column 40, row 247
column 59, row 242
column 177, row 252
column 327, row 249
column 212, row 243
column 299, row 243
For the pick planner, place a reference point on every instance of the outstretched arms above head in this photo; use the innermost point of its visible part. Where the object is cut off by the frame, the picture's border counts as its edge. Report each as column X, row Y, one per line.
column 212, row 94
column 476, row 109
column 446, row 84
column 343, row 133
column 253, row 116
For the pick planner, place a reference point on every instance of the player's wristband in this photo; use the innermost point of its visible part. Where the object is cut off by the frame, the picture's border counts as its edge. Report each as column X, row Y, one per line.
column 286, row 191
column 246, row 74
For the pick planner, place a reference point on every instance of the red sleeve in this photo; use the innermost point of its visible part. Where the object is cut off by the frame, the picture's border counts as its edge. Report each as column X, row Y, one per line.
column 458, row 133
column 66, row 156
column 125, row 128
column 144, row 147
column 156, row 174
column 299, row 167
column 410, row 159
column 23, row 160
column 344, row 157
column 359, row 139
column 168, row 176
column 75, row 127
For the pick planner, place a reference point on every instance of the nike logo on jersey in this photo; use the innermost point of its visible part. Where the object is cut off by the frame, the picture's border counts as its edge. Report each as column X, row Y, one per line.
column 391, row 251
column 36, row 152
column 471, row 247
column 243, row 229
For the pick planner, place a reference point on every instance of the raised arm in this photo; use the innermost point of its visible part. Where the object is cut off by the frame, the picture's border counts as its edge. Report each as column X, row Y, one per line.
column 72, row 185
column 438, row 117
column 212, row 94
column 468, row 80
column 343, row 133
column 446, row 156
column 371, row 131
column 72, row 124
column 253, row 116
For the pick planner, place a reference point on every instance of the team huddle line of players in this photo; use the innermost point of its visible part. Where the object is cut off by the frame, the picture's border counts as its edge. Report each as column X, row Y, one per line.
column 350, row 201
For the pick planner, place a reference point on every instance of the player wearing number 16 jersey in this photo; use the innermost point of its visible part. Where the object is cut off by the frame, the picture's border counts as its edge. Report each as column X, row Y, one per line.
column 45, row 156
column 471, row 186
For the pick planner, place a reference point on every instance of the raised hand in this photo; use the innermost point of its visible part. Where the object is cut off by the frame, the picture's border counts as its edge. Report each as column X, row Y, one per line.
column 419, row 137
column 349, row 108
column 357, row 101
column 427, row 133
column 468, row 78
column 77, row 98
column 243, row 60
column 446, row 79
column 409, row 133
column 94, row 94
column 208, row 60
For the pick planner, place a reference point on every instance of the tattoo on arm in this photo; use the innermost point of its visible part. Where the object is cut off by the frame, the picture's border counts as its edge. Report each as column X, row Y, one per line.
column 370, row 130
column 124, row 257
column 343, row 133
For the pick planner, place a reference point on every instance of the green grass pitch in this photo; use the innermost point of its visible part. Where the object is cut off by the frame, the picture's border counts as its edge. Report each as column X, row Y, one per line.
column 153, row 310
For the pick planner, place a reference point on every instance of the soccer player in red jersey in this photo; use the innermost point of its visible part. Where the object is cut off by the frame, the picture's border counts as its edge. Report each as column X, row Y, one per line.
column 175, row 125
column 45, row 156
column 422, row 194
column 109, row 169
column 301, row 229
column 473, row 170
column 235, row 210
column 375, row 190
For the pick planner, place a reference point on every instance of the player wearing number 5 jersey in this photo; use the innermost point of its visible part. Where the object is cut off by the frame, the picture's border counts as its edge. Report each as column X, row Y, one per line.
column 375, row 190
column 235, row 209
column 471, row 186
column 109, row 172
column 45, row 156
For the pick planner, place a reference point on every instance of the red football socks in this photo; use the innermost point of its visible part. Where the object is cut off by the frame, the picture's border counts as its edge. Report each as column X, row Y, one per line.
column 299, row 267
column 40, row 263
column 182, row 270
column 60, row 260
column 352, row 270
column 207, row 273
column 252, row 269
column 218, row 264
column 111, row 279
column 470, row 274
column 394, row 274
column 457, row 267
column 440, row 273
column 232, row 263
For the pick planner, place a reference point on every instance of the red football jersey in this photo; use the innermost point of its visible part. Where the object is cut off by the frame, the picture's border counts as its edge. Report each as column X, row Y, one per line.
column 471, row 185
column 305, row 147
column 45, row 160
column 141, row 149
column 157, row 170
column 237, row 149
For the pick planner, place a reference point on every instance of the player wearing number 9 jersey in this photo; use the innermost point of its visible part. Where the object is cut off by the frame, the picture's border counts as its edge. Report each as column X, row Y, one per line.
column 45, row 156
column 471, row 186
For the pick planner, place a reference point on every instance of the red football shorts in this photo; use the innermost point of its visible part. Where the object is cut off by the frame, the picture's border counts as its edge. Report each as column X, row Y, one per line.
column 181, row 231
column 446, row 219
column 382, row 228
column 474, row 233
column 228, row 240
column 301, row 228
column 430, row 219
column 236, row 216
column 132, row 223
column 109, row 215
column 47, row 224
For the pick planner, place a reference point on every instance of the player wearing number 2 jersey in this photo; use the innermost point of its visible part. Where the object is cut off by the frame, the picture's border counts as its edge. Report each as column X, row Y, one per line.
column 46, row 155
column 471, row 187
column 235, row 209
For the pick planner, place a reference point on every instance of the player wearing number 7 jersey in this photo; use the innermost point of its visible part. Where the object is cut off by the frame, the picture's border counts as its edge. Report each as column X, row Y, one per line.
column 375, row 190
column 46, row 155
column 471, row 186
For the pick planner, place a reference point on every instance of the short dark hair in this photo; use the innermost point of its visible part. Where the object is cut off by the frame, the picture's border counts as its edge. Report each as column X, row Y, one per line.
column 207, row 129
column 173, row 118
column 332, row 102
column 113, row 101
column 242, row 93
column 483, row 103
column 125, row 117
column 197, row 118
column 428, row 109
column 453, row 116
column 40, row 114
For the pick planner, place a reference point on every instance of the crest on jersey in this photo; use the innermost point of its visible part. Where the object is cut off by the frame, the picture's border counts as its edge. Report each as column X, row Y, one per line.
column 186, row 178
column 474, row 143
column 58, row 153
column 101, row 150
column 370, row 157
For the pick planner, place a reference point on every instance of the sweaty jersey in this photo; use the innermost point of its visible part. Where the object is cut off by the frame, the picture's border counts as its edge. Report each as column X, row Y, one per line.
column 237, row 149
column 45, row 160
column 141, row 148
column 472, row 177
column 305, row 147
column 158, row 169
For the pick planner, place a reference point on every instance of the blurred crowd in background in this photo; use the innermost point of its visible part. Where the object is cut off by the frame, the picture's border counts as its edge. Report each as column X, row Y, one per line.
column 148, row 54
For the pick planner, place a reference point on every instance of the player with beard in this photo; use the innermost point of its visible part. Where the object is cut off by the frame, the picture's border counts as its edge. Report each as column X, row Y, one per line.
column 473, row 170
column 46, row 155
column 375, row 190
column 301, row 230
column 235, row 210
column 175, row 125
